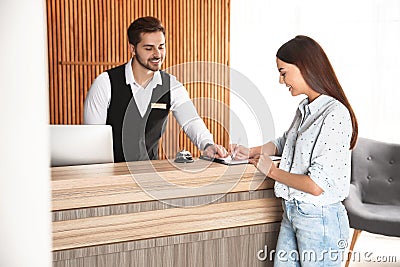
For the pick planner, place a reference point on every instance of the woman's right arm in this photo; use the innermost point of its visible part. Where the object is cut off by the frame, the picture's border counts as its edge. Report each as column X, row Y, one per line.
column 241, row 152
column 269, row 149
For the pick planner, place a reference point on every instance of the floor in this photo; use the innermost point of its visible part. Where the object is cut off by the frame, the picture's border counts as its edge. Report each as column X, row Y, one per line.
column 376, row 250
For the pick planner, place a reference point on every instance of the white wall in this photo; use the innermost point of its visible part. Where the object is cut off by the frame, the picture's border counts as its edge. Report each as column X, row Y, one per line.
column 360, row 37
column 25, row 223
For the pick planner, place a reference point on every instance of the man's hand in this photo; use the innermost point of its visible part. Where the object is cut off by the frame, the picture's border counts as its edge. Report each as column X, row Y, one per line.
column 215, row 151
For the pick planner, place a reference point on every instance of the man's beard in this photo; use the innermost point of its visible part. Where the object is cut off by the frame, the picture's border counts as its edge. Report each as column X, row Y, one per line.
column 146, row 64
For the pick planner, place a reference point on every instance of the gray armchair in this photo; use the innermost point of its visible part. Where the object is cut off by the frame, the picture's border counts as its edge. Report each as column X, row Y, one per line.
column 373, row 204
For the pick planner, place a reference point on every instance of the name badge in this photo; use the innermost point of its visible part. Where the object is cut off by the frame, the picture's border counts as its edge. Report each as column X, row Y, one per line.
column 159, row 105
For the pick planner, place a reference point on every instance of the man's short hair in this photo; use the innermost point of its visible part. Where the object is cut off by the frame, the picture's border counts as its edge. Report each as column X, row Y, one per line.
column 143, row 25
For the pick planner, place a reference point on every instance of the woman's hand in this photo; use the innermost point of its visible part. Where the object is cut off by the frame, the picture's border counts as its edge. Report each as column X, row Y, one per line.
column 239, row 152
column 263, row 163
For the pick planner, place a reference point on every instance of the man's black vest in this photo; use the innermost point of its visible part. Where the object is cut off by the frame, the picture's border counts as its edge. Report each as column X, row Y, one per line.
column 136, row 137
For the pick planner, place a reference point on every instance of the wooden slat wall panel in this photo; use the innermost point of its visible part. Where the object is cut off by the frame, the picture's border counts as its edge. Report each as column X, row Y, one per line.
column 87, row 37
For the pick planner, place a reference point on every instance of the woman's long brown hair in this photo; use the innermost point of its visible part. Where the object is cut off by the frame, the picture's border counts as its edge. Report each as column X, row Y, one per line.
column 317, row 71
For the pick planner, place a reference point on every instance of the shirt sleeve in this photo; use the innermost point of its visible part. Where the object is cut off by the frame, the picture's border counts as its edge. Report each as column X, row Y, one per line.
column 186, row 115
column 330, row 159
column 97, row 101
column 281, row 141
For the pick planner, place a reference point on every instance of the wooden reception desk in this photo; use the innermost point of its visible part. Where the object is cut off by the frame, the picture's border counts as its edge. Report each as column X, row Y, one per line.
column 160, row 213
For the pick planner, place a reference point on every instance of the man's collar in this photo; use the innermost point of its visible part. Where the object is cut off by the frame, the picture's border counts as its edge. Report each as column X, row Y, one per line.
column 130, row 79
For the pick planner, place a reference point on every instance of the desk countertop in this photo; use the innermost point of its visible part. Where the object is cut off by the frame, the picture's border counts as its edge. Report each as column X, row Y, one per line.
column 120, row 207
column 96, row 185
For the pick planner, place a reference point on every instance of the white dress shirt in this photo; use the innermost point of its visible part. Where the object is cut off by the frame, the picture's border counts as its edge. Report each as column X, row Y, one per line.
column 99, row 96
column 317, row 144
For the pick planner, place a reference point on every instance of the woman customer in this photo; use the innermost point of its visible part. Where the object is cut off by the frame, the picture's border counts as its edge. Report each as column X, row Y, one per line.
column 314, row 172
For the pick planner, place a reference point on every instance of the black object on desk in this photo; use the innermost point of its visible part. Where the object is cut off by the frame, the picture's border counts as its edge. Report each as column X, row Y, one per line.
column 227, row 161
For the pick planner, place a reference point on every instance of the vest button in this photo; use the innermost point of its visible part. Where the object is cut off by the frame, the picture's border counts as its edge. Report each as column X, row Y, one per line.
column 369, row 158
column 368, row 177
column 391, row 161
column 390, row 179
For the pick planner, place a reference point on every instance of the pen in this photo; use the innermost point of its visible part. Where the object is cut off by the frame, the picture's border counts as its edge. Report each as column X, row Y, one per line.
column 233, row 155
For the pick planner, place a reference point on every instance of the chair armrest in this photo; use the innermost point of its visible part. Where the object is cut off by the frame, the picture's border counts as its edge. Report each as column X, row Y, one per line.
column 353, row 202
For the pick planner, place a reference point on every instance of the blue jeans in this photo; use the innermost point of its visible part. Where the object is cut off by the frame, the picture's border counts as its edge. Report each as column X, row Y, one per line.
column 312, row 235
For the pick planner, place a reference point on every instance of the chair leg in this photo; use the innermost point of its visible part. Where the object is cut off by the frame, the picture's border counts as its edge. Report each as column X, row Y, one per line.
column 356, row 234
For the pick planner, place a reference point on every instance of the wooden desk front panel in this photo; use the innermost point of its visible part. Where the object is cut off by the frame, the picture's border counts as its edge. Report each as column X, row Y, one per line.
column 236, row 247
column 110, row 189
column 98, row 196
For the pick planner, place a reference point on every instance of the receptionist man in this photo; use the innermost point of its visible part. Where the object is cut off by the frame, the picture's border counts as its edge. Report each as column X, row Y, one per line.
column 135, row 99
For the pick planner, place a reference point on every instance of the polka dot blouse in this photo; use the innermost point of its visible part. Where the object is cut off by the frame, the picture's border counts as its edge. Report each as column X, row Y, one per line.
column 317, row 144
